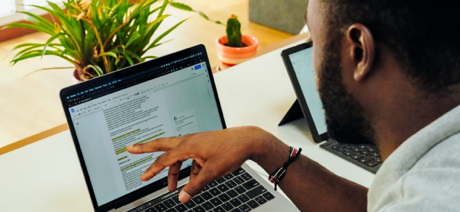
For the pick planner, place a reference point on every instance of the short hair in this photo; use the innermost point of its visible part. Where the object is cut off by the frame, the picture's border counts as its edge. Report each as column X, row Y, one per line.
column 422, row 35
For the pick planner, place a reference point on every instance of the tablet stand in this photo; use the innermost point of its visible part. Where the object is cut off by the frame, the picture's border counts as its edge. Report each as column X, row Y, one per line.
column 294, row 113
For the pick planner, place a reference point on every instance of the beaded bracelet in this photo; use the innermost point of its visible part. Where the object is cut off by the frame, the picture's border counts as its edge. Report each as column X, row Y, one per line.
column 278, row 175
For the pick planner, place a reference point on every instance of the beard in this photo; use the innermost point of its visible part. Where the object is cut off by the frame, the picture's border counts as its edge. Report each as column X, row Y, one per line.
column 344, row 115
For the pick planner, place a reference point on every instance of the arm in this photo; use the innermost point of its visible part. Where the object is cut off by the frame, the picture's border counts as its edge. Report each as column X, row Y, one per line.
column 310, row 186
column 217, row 153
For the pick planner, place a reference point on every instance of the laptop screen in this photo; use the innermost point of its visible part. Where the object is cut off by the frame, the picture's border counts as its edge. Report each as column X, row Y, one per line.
column 169, row 96
column 299, row 59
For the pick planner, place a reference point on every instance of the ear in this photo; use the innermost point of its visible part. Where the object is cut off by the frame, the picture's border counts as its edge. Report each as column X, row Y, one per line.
column 361, row 50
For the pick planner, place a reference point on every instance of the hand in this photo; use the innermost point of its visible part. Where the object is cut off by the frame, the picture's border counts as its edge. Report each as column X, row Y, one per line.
column 214, row 154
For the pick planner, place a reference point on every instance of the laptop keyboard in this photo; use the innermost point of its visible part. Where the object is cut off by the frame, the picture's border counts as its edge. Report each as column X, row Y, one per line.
column 235, row 192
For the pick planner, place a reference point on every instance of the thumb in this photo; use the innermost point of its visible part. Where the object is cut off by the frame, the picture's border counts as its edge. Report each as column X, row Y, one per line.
column 196, row 184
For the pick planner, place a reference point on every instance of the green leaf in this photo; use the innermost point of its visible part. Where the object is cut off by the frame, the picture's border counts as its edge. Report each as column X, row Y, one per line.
column 110, row 54
column 182, row 6
column 96, row 68
column 208, row 19
column 165, row 33
column 30, row 26
column 38, row 53
column 39, row 20
column 48, row 42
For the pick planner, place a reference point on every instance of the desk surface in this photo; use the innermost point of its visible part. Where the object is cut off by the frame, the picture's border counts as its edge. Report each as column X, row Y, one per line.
column 46, row 176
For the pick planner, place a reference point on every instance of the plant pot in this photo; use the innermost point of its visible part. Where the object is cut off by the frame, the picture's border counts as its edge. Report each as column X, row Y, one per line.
column 231, row 56
column 76, row 76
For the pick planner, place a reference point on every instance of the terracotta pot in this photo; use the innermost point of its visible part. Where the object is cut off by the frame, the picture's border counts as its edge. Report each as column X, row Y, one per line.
column 76, row 77
column 231, row 56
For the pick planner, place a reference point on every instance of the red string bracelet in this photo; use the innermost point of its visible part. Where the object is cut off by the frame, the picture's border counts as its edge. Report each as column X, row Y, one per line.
column 278, row 175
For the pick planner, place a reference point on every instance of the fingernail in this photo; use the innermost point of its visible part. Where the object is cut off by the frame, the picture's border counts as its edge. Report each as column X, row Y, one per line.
column 130, row 147
column 184, row 196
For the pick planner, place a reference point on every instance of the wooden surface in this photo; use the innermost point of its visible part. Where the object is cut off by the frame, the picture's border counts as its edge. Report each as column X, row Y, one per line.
column 30, row 104
column 33, row 138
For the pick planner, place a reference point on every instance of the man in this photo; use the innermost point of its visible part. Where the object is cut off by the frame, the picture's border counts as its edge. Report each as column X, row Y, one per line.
column 388, row 72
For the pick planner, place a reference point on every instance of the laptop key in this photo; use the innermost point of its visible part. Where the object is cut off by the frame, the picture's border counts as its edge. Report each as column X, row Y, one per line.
column 198, row 209
column 150, row 210
column 250, row 184
column 228, row 176
column 240, row 189
column 160, row 207
column 214, row 191
column 213, row 184
column 181, row 207
column 246, row 176
column 349, row 153
column 268, row 195
column 238, row 180
column 227, row 206
column 231, row 184
column 232, row 193
column 206, row 195
column 224, row 197
column 243, row 198
column 253, row 204
column 171, row 210
column 256, row 192
column 207, row 187
column 169, row 203
column 236, row 210
column 244, row 208
column 218, row 209
column 235, row 202
column 357, row 156
column 198, row 200
column 216, row 201
column 190, row 204
column 260, row 200
column 223, row 187
column 207, row 205
column 239, row 171
column 366, row 159
column 372, row 163
column 221, row 180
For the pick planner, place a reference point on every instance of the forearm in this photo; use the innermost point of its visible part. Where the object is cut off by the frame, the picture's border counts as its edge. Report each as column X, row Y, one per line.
column 310, row 186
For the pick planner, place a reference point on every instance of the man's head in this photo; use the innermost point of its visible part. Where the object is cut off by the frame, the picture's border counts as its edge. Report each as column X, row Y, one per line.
column 353, row 40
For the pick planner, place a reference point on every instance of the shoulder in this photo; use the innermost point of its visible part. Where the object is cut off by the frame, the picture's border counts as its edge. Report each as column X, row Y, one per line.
column 431, row 184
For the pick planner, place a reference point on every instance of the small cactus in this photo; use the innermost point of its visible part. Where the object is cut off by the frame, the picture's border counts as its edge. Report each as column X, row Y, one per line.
column 234, row 32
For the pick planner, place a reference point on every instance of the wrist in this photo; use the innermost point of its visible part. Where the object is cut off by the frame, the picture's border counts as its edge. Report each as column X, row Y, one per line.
column 268, row 151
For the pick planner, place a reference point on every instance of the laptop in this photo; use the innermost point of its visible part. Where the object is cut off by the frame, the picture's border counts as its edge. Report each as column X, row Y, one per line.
column 298, row 61
column 169, row 96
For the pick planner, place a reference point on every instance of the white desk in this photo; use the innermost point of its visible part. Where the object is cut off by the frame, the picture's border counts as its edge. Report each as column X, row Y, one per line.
column 46, row 176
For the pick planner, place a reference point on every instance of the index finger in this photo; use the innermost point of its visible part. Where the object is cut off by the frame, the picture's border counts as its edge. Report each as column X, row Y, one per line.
column 157, row 145
column 165, row 160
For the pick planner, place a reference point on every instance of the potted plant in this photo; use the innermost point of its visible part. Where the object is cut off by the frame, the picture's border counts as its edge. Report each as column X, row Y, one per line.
column 99, row 36
column 235, row 48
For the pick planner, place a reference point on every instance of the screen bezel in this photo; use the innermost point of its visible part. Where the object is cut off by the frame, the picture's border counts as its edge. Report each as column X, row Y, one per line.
column 298, row 90
column 145, row 67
